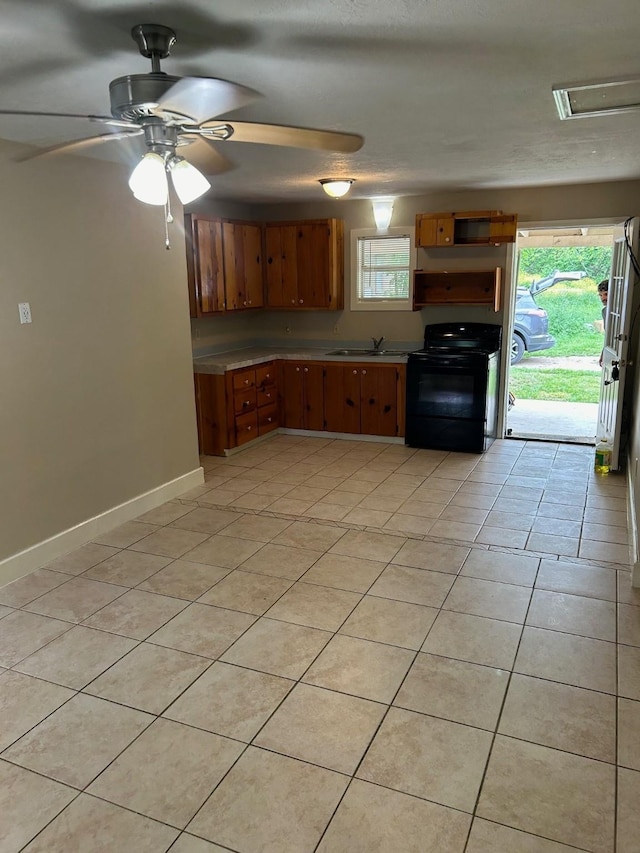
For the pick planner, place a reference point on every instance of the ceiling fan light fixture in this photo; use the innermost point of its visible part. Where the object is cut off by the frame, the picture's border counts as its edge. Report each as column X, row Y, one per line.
column 148, row 181
column 189, row 183
column 336, row 187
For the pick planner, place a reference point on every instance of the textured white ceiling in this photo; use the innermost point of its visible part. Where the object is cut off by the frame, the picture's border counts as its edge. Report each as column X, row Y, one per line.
column 449, row 94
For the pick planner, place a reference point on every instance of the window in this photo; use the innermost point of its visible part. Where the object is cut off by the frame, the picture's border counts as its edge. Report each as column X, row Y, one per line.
column 382, row 266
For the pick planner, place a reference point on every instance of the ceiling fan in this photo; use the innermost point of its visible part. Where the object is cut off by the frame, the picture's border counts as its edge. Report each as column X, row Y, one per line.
column 176, row 116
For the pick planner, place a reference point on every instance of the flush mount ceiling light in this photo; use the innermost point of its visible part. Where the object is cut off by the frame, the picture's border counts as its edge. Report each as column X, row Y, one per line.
column 382, row 211
column 336, row 187
column 597, row 98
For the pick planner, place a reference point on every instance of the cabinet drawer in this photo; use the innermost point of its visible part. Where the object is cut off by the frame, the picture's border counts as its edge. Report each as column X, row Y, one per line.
column 267, row 418
column 244, row 379
column 244, row 401
column 266, row 375
column 246, row 427
column 266, row 395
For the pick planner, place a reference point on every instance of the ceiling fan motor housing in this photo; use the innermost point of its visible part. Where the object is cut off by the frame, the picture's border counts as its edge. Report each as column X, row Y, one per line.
column 136, row 95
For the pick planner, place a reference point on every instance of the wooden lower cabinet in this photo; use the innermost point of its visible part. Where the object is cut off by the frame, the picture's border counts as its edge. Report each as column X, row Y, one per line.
column 211, row 413
column 236, row 407
column 302, row 395
column 254, row 409
column 363, row 398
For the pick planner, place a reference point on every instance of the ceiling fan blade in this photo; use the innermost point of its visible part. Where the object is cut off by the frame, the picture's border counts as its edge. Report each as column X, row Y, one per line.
column 55, row 115
column 294, row 137
column 203, row 98
column 77, row 144
column 204, row 155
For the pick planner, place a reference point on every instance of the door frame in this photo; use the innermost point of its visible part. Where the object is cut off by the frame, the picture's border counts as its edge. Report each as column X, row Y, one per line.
column 510, row 280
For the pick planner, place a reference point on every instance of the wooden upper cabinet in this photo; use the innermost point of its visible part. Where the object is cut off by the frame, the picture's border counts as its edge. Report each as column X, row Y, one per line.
column 465, row 228
column 305, row 264
column 205, row 268
column 224, row 265
column 253, row 269
column 233, row 273
column 242, row 245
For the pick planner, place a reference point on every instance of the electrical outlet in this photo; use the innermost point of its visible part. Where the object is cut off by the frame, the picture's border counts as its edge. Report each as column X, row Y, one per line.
column 24, row 310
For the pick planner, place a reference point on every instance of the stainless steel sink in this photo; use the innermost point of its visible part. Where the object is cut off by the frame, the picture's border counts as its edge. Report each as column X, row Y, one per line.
column 360, row 353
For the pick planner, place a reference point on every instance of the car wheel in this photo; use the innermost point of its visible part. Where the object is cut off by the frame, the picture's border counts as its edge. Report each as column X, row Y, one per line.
column 517, row 349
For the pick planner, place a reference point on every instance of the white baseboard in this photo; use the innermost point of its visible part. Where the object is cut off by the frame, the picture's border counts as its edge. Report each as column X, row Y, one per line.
column 347, row 436
column 43, row 552
column 632, row 525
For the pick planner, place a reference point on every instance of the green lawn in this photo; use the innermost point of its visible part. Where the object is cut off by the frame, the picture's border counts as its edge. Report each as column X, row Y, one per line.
column 572, row 308
column 569, row 386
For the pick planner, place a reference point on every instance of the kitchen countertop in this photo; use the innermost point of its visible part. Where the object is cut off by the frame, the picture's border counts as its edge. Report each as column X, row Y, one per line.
column 250, row 356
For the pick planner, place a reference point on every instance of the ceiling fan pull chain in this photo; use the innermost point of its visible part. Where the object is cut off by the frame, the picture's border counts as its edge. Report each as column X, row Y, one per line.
column 168, row 218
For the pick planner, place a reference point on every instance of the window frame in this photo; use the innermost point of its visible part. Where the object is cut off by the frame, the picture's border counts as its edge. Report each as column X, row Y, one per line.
column 373, row 303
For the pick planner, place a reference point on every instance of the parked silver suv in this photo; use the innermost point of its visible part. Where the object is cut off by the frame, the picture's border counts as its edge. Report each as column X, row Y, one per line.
column 531, row 323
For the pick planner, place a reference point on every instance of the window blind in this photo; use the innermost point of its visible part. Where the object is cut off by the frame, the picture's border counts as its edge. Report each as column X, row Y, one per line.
column 384, row 267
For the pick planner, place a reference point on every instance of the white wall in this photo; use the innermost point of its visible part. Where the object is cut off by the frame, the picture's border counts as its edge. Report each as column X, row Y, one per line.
column 96, row 395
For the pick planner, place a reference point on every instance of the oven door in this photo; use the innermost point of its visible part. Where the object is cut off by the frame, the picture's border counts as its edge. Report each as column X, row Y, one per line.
column 447, row 401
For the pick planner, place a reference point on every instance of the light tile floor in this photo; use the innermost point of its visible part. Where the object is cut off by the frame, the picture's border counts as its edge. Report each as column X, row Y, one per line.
column 334, row 646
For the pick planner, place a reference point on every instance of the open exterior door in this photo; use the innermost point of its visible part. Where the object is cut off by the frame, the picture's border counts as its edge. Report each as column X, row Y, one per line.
column 616, row 341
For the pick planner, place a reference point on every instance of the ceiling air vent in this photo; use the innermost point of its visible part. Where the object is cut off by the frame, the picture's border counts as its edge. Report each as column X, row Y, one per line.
column 597, row 98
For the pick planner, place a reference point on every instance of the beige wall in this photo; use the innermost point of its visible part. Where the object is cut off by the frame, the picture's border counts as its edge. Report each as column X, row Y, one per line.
column 96, row 395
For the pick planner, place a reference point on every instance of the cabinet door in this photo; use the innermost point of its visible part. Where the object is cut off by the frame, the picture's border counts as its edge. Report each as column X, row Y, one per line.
column 314, row 260
column 252, row 265
column 273, row 266
column 205, row 266
column 292, row 395
column 211, row 413
column 342, row 398
column 233, row 263
column 502, row 229
column 434, row 230
column 379, row 400
column 313, row 396
column 281, row 266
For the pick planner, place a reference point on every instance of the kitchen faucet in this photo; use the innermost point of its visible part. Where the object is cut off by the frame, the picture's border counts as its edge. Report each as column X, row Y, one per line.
column 377, row 343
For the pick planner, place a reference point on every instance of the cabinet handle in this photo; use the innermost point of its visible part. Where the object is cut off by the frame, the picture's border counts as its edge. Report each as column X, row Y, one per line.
column 246, row 381
column 355, row 372
column 268, row 396
column 306, row 370
column 246, row 403
column 301, row 301
column 297, row 370
column 293, row 301
column 269, row 420
column 364, row 372
column 248, row 429
column 245, row 302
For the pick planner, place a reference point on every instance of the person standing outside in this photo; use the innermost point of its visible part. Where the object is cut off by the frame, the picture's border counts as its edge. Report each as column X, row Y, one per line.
column 603, row 293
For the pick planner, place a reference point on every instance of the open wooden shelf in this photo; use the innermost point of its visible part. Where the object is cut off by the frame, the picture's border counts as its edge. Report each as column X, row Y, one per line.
column 464, row 287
